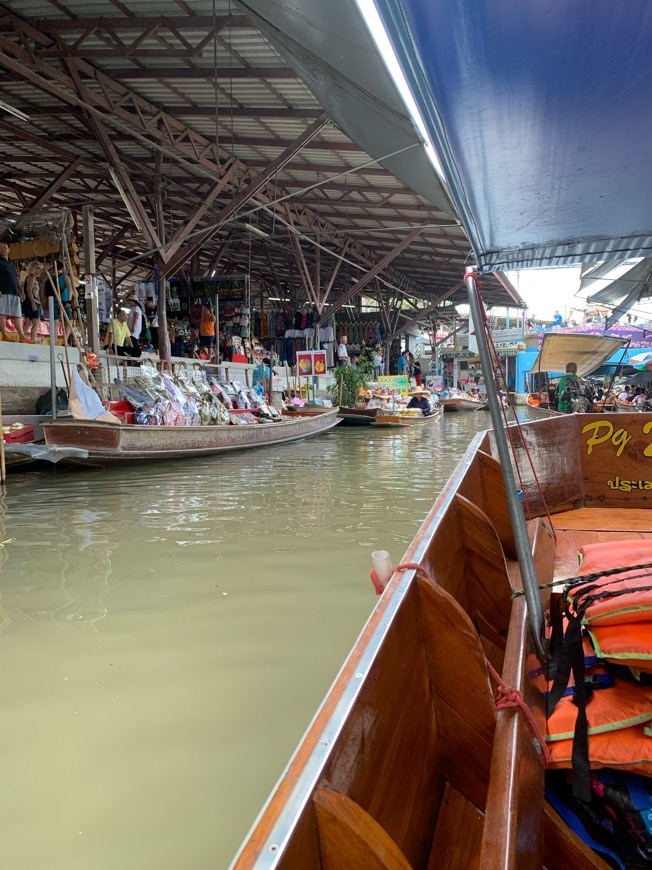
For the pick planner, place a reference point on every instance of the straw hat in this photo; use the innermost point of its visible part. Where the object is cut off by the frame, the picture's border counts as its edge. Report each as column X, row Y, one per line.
column 379, row 394
column 419, row 391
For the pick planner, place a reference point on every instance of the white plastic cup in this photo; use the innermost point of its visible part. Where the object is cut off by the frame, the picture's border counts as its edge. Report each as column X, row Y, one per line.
column 382, row 565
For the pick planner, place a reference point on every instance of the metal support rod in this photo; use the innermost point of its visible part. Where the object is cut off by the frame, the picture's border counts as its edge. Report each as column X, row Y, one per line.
column 92, row 319
column 517, row 517
column 53, row 357
column 217, row 328
column 3, row 465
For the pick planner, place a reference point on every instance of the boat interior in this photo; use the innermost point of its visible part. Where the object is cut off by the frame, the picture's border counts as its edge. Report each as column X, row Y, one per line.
column 408, row 763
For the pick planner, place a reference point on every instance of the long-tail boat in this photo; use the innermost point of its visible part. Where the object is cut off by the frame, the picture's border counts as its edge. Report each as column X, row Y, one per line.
column 538, row 119
column 108, row 442
column 588, row 351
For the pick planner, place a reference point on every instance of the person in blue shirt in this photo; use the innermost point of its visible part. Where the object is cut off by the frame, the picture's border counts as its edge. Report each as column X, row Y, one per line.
column 420, row 399
column 262, row 371
column 402, row 364
column 557, row 319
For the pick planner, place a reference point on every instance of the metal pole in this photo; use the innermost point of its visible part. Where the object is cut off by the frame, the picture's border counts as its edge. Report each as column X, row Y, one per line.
column 53, row 358
column 521, row 538
column 3, row 465
column 92, row 318
column 217, row 329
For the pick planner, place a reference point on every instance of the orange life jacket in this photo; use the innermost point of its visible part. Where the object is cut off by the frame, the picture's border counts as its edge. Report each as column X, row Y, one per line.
column 625, row 749
column 613, row 607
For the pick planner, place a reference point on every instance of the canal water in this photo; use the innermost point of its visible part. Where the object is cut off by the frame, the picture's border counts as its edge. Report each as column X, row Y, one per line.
column 168, row 631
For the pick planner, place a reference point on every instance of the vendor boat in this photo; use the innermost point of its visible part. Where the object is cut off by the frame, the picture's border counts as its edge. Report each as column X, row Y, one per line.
column 406, row 420
column 110, row 442
column 588, row 351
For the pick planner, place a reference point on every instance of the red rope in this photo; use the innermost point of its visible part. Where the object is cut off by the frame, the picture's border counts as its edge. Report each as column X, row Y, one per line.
column 508, row 697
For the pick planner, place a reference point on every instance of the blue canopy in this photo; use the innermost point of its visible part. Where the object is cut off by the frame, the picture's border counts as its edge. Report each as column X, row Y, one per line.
column 541, row 114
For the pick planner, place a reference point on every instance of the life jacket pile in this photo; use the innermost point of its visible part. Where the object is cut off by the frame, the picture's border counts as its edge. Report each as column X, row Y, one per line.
column 599, row 698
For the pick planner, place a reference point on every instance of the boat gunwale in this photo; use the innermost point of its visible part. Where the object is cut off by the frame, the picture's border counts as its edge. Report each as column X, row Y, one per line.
column 357, row 665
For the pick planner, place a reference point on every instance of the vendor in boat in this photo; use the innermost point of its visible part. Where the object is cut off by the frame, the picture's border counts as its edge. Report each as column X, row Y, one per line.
column 571, row 386
column 421, row 399
column 380, row 399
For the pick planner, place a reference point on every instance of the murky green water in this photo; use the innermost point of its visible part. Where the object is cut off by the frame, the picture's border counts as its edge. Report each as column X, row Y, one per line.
column 167, row 633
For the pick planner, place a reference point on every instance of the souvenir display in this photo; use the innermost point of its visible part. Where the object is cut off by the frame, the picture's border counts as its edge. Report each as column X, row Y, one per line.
column 193, row 398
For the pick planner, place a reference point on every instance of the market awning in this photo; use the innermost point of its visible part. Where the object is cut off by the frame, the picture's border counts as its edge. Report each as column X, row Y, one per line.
column 541, row 114
column 588, row 351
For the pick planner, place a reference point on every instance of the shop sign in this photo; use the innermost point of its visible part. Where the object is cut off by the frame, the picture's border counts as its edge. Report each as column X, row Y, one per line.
column 311, row 362
column 228, row 288
column 394, row 384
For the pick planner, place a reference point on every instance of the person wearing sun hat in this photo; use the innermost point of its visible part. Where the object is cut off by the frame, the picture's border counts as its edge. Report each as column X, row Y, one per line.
column 380, row 399
column 420, row 399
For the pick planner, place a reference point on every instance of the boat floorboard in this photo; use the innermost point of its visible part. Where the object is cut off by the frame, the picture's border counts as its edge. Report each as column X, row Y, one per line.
column 605, row 519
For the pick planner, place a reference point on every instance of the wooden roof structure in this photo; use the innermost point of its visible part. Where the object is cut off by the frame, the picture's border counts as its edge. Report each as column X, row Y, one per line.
column 203, row 151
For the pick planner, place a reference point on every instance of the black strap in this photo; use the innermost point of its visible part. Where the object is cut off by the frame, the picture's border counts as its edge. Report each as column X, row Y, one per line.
column 580, row 754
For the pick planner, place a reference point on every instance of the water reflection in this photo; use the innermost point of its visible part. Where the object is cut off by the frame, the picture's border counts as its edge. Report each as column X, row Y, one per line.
column 167, row 633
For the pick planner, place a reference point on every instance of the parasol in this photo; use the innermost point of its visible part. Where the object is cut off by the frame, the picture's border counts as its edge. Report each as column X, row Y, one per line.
column 642, row 362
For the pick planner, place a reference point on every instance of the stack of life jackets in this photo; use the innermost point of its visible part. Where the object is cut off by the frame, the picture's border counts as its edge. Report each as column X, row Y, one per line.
column 599, row 693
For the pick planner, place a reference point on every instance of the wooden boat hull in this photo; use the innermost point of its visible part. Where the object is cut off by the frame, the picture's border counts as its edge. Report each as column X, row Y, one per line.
column 459, row 404
column 408, row 757
column 402, row 421
column 358, row 416
column 540, row 412
column 107, row 442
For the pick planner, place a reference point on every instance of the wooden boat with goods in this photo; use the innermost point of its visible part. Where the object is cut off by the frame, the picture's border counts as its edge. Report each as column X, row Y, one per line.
column 588, row 352
column 406, row 420
column 109, row 442
column 465, row 729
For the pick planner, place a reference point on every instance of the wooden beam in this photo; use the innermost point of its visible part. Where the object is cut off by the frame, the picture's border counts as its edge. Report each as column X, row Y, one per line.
column 250, row 191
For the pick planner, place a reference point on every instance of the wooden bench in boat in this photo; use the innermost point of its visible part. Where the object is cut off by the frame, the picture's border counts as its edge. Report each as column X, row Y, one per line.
column 408, row 764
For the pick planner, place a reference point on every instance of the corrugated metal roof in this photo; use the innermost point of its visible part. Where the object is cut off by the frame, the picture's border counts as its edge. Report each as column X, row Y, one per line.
column 262, row 107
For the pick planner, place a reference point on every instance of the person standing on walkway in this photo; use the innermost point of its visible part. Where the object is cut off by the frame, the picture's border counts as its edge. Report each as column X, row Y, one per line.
column 151, row 316
column 117, row 337
column 135, row 320
column 10, row 295
column 207, row 329
column 342, row 352
column 379, row 362
column 402, row 364
column 31, row 305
